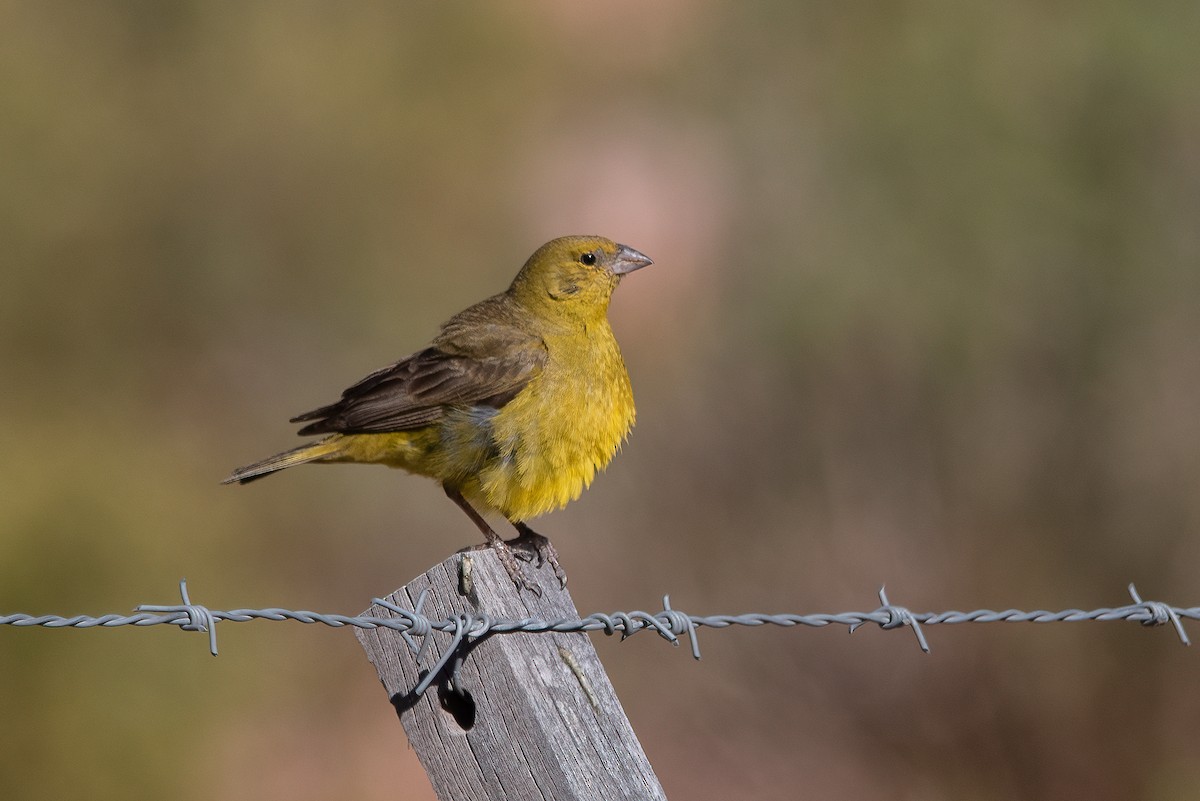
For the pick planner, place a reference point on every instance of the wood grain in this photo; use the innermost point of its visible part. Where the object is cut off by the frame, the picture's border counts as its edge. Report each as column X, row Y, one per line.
column 539, row 719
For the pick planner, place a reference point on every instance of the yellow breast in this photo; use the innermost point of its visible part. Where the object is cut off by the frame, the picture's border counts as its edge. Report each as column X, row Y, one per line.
column 551, row 439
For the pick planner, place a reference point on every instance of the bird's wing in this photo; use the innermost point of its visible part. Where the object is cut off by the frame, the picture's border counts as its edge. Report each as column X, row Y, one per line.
column 486, row 365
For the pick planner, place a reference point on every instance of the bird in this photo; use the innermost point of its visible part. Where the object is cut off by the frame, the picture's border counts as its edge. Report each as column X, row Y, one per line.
column 513, row 407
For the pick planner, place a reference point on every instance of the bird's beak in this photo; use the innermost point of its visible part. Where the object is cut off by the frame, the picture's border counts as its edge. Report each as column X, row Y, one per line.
column 628, row 260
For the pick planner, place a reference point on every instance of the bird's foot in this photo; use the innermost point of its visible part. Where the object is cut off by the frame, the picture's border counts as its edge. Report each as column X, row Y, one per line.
column 508, row 559
column 530, row 545
column 495, row 542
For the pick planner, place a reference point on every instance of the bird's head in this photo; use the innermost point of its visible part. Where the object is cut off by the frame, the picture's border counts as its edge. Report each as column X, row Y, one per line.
column 575, row 276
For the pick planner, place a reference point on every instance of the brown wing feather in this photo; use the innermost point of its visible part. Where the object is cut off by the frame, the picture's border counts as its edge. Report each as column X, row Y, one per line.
column 468, row 365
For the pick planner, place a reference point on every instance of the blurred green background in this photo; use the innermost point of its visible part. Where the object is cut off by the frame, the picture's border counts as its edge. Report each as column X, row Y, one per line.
column 925, row 312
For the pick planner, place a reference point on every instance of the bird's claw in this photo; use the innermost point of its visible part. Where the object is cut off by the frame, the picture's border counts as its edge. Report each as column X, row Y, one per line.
column 530, row 545
column 526, row 555
column 508, row 558
column 526, row 547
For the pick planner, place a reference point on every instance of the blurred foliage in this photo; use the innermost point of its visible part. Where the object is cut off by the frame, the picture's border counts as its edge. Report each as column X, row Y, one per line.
column 924, row 312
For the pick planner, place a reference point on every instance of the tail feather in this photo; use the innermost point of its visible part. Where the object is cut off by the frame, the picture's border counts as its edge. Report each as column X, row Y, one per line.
column 312, row 452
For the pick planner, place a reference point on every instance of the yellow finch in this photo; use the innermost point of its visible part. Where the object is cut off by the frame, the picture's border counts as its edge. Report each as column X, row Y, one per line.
column 513, row 407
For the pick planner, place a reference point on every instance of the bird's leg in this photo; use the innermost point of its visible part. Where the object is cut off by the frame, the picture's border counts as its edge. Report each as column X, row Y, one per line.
column 533, row 545
column 495, row 542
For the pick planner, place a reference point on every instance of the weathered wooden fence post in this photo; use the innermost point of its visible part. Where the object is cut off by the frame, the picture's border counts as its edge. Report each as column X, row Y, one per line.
column 532, row 716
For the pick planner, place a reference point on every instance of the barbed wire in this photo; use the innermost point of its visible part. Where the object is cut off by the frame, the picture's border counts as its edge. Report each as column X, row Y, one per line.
column 669, row 623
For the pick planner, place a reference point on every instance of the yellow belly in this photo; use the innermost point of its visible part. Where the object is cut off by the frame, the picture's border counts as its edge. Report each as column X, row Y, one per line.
column 549, row 450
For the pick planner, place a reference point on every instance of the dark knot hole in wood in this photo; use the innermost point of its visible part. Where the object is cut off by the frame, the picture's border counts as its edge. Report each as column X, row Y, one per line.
column 453, row 698
column 459, row 703
column 456, row 702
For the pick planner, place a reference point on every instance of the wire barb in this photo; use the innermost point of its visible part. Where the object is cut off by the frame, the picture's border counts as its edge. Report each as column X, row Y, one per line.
column 197, row 617
column 1160, row 614
column 680, row 623
column 889, row 616
column 418, row 624
column 899, row 616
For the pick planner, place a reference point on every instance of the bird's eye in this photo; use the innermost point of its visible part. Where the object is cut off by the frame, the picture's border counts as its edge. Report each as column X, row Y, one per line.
column 587, row 259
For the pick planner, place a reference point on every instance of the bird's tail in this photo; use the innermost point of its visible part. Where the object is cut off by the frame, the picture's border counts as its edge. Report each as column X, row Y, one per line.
column 312, row 452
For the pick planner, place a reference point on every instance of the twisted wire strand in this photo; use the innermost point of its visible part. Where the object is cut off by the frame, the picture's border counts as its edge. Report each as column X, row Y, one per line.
column 669, row 623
